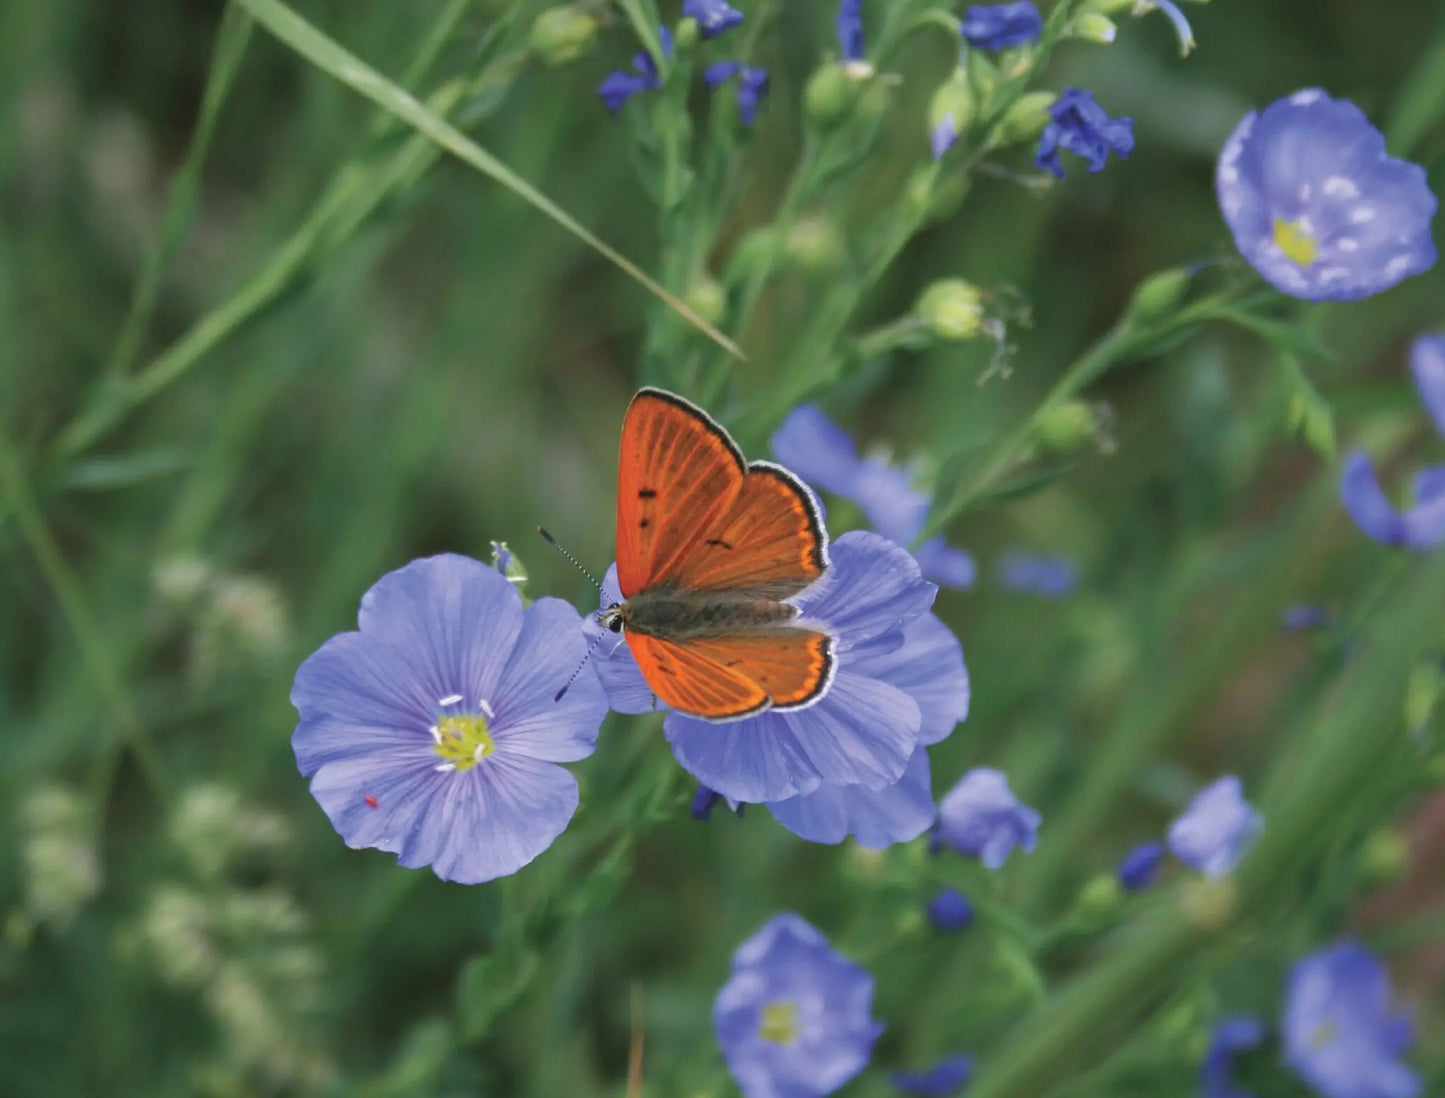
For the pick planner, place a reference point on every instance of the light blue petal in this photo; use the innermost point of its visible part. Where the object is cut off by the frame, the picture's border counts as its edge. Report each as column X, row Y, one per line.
column 529, row 718
column 818, row 450
column 861, row 731
column 886, row 494
column 876, row 818
column 450, row 623
column 1427, row 363
column 1360, row 493
column 872, row 586
column 929, row 666
column 946, row 565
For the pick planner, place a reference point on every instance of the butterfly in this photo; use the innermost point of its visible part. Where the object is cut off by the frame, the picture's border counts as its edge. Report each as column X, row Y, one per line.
column 709, row 546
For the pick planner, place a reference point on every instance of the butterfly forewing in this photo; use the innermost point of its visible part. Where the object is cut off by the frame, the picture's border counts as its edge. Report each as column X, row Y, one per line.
column 771, row 539
column 723, row 678
column 678, row 475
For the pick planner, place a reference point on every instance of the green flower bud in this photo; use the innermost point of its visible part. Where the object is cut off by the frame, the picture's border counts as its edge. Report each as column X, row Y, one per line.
column 954, row 108
column 1100, row 900
column 829, row 96
column 1093, row 27
column 707, row 299
column 687, row 35
column 1066, row 429
column 562, row 35
column 1313, row 421
column 754, row 252
column 1026, row 119
column 508, row 563
column 815, row 246
column 1208, row 904
column 1158, row 295
column 1422, row 694
column 952, row 309
column 1385, row 858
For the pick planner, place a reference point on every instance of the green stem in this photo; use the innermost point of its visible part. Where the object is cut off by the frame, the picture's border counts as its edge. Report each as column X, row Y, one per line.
column 89, row 635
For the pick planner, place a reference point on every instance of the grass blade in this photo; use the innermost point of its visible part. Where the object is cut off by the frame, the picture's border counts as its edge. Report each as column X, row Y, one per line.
column 328, row 56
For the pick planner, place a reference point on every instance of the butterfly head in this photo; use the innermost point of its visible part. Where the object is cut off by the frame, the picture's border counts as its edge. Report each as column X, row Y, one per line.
column 614, row 617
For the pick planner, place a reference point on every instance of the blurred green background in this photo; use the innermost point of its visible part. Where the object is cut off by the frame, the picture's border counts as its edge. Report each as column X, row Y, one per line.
column 362, row 351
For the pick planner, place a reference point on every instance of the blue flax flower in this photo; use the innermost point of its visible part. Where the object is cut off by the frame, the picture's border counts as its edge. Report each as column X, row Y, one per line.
column 1038, row 574
column 925, row 661
column 981, row 816
column 1233, row 1035
column 1216, row 830
column 713, row 16
column 794, row 1019
column 850, row 31
column 1340, row 1034
column 1316, row 205
column 619, row 87
column 864, row 730
column 999, row 26
column 1423, row 525
column 944, row 1078
column 752, row 85
column 704, row 800
column 1082, row 127
column 1140, row 866
column 433, row 731
column 820, row 452
column 950, row 910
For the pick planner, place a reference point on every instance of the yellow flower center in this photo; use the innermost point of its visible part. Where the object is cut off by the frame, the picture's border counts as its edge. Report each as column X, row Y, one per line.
column 780, row 1022
column 1296, row 242
column 1323, row 1035
column 462, row 739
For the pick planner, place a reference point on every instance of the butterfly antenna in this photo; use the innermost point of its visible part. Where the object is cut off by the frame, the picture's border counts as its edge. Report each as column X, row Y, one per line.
column 575, row 562
column 573, row 677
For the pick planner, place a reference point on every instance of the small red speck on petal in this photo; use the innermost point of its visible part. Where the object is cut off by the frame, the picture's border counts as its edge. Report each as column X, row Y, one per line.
column 370, row 801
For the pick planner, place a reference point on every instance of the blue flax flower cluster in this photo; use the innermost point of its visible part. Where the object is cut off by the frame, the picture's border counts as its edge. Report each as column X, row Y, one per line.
column 1038, row 574
column 1002, row 26
column 794, row 1019
column 618, row 87
column 1233, row 1035
column 433, row 731
column 1340, row 1034
column 1422, row 525
column 1317, row 206
column 752, row 85
column 980, row 816
column 854, row 763
column 945, row 1078
column 1080, row 126
column 850, row 32
column 713, row 17
column 1217, row 829
column 819, row 451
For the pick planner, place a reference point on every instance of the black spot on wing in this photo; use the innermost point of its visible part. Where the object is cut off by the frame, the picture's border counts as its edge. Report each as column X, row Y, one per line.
column 647, row 493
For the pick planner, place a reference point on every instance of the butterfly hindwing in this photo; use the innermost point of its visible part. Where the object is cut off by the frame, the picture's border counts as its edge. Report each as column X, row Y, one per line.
column 727, row 677
column 679, row 474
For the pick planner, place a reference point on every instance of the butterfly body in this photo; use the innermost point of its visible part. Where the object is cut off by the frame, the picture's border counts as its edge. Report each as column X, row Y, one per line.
column 709, row 548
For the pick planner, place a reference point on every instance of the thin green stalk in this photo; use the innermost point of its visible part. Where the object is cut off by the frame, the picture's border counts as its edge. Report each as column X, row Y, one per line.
column 121, row 711
column 230, row 50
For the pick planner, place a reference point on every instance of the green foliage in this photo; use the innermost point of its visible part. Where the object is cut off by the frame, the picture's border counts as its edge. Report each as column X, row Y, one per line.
column 262, row 341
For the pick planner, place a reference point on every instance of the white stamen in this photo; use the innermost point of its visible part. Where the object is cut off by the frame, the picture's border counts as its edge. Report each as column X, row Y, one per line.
column 485, row 708
column 1337, row 186
column 450, row 699
column 1362, row 214
column 445, row 768
column 479, row 752
column 436, row 733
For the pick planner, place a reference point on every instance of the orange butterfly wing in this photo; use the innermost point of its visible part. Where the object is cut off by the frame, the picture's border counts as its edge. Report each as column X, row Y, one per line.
column 724, row 678
column 678, row 475
column 771, row 539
